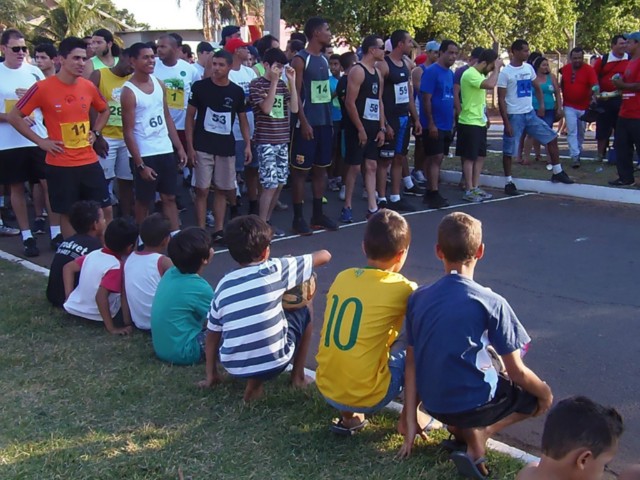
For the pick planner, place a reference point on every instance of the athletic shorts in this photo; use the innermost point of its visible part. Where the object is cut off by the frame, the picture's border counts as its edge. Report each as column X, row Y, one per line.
column 528, row 123
column 116, row 163
column 337, row 137
column 472, row 142
column 239, row 158
column 183, row 140
column 357, row 153
column 165, row 166
column 297, row 321
column 315, row 152
column 509, row 398
column 437, row 146
column 606, row 121
column 67, row 185
column 273, row 164
column 402, row 133
column 220, row 169
column 19, row 165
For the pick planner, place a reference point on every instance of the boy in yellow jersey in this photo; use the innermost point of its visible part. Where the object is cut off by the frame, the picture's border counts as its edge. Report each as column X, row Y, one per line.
column 362, row 345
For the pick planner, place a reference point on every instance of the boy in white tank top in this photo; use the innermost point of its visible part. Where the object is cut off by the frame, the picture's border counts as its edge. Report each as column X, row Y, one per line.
column 143, row 270
column 151, row 137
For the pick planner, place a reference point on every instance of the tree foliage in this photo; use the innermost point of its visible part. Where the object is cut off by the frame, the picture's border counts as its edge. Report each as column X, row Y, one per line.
column 599, row 20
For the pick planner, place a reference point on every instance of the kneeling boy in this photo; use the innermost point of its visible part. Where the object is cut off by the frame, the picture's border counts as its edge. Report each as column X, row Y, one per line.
column 450, row 326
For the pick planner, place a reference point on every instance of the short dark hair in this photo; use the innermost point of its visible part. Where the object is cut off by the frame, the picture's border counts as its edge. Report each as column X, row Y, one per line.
column 476, row 52
column 248, row 236
column 204, row 47
column 189, row 249
column 615, row 38
column 227, row 31
column 369, row 42
column 459, row 237
column 397, row 37
column 299, row 36
column 186, row 49
column 47, row 48
column 10, row 33
column 224, row 54
column 83, row 215
column 386, row 234
column 334, row 56
column 347, row 59
column 154, row 229
column 579, row 50
column 121, row 233
column 108, row 37
column 136, row 48
column 263, row 44
column 274, row 55
column 69, row 44
column 312, row 25
column 488, row 56
column 152, row 45
column 445, row 44
column 579, row 422
column 177, row 37
column 172, row 39
column 296, row 45
column 519, row 45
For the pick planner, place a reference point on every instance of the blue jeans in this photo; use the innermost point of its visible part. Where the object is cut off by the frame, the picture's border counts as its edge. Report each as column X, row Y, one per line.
column 530, row 124
column 575, row 130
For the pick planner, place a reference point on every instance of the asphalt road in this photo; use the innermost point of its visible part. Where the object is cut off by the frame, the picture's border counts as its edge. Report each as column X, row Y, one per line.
column 568, row 267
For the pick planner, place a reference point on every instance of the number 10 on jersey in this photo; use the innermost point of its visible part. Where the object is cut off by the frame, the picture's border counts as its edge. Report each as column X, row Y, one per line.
column 351, row 308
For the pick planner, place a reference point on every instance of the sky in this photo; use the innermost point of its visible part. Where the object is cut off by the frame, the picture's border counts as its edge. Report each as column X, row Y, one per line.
column 161, row 14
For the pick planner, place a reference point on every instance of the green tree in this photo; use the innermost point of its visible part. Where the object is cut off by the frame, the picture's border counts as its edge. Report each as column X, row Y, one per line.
column 599, row 20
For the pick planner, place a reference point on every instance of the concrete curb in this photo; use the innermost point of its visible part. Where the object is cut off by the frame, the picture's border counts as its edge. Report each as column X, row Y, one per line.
column 577, row 190
column 25, row 263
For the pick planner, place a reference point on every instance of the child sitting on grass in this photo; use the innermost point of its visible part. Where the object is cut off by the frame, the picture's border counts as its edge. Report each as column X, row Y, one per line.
column 451, row 325
column 248, row 328
column 362, row 344
column 87, row 220
column 98, row 294
column 182, row 300
column 580, row 437
column 143, row 269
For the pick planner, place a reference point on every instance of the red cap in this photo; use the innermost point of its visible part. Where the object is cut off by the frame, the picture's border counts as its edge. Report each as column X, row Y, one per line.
column 420, row 59
column 234, row 43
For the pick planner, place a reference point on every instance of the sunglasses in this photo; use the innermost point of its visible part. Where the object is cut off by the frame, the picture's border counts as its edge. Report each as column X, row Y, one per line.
column 17, row 49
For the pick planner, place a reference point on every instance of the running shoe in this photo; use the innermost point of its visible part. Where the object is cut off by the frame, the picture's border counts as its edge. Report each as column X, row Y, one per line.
column 217, row 238
column 472, row 196
column 415, row 191
column 346, row 215
column 30, row 247
column 561, row 177
column 401, row 205
column 39, row 226
column 382, row 204
column 434, row 200
column 301, row 227
column 323, row 222
column 418, row 177
column 510, row 189
column 210, row 221
column 371, row 214
column 6, row 231
column 483, row 194
column 575, row 162
column 56, row 241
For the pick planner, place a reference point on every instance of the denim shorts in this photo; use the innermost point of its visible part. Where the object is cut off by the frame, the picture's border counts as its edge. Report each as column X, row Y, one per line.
column 530, row 124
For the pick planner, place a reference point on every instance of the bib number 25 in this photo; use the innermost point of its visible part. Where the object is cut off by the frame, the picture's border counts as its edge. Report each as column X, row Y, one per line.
column 348, row 312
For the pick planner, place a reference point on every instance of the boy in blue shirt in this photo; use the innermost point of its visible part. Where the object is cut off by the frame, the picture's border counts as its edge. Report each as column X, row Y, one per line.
column 450, row 327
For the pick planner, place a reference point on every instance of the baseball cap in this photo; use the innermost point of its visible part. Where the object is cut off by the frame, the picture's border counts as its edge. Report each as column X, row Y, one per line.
column 387, row 45
column 420, row 59
column 229, row 30
column 204, row 47
column 632, row 36
column 432, row 46
column 234, row 43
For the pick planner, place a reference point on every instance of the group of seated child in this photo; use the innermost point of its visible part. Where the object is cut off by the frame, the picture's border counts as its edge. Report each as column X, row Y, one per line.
column 453, row 348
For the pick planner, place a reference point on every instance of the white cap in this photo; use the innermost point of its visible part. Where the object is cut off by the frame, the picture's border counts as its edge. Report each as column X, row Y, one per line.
column 387, row 45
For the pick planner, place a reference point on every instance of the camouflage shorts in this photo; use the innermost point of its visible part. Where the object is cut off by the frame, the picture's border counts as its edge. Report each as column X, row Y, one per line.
column 273, row 164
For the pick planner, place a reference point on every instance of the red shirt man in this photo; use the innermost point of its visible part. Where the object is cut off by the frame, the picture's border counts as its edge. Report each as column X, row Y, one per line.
column 578, row 79
column 616, row 63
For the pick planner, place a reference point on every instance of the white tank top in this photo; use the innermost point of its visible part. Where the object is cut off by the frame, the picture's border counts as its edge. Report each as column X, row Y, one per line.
column 150, row 129
column 141, row 278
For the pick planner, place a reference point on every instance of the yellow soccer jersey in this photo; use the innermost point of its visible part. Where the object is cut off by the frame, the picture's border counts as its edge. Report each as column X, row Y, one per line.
column 364, row 314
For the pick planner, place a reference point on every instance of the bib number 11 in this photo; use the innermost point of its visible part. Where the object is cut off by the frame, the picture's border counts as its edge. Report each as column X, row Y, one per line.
column 352, row 309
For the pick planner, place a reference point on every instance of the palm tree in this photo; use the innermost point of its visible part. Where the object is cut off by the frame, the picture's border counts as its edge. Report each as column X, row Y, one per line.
column 214, row 12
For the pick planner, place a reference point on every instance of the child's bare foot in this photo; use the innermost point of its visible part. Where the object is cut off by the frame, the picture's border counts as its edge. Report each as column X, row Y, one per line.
column 351, row 420
column 301, row 382
column 253, row 391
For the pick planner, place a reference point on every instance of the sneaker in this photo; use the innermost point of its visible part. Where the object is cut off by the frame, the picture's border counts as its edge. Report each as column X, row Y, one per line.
column 323, row 223
column 44, row 213
column 30, row 247
column 561, row 177
column 277, row 232
column 343, row 193
column 434, row 200
column 39, row 225
column 301, row 227
column 346, row 216
column 382, row 204
column 415, row 191
column 333, row 185
column 210, row 221
column 483, row 194
column 6, row 231
column 418, row 177
column 472, row 196
column 371, row 214
column 401, row 206
column 575, row 162
column 618, row 182
column 510, row 189
column 56, row 241
column 217, row 238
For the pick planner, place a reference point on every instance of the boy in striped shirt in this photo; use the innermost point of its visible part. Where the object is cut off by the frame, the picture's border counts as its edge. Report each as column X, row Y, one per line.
column 247, row 328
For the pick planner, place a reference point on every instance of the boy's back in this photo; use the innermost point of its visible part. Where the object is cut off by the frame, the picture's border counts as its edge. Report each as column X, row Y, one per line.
column 142, row 273
column 365, row 312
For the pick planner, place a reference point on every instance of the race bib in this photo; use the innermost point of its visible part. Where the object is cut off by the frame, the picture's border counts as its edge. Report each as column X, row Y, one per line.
column 9, row 104
column 115, row 117
column 75, row 134
column 523, row 88
column 277, row 111
column 217, row 122
column 372, row 109
column 402, row 92
column 175, row 99
column 320, row 91
column 153, row 125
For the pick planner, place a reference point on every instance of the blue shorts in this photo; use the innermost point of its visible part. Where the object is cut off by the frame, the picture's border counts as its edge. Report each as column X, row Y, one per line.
column 530, row 124
column 402, row 133
column 309, row 153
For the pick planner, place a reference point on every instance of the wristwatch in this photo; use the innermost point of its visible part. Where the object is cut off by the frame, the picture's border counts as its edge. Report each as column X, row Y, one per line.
column 141, row 167
column 96, row 133
column 383, row 129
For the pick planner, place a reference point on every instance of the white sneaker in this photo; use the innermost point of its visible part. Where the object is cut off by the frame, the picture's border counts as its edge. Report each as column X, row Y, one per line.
column 418, row 177
column 6, row 231
column 484, row 195
column 472, row 196
column 210, row 221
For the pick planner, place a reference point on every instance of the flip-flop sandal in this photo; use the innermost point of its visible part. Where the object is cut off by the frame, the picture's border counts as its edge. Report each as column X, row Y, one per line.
column 432, row 425
column 340, row 428
column 467, row 467
column 452, row 445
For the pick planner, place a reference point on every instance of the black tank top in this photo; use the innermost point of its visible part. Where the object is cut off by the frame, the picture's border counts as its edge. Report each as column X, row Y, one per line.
column 367, row 101
column 396, row 89
column 316, row 93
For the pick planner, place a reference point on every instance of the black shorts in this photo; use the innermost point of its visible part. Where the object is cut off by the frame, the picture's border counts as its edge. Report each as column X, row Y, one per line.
column 402, row 133
column 165, row 166
column 606, row 121
column 19, row 165
column 437, row 146
column 509, row 398
column 472, row 142
column 67, row 185
column 315, row 152
column 356, row 153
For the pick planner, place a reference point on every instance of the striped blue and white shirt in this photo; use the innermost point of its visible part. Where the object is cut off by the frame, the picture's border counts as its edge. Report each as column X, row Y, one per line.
column 247, row 309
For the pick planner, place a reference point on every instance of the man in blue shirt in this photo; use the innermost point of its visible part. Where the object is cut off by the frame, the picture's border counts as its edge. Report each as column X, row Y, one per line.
column 437, row 112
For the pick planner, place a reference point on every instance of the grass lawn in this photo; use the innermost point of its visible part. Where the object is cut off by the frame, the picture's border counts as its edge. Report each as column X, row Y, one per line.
column 80, row 404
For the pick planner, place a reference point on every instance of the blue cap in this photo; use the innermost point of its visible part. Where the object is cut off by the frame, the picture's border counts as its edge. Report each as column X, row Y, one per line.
column 432, row 46
column 632, row 36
